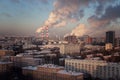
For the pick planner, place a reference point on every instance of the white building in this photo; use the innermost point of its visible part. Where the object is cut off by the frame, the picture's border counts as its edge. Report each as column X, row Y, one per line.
column 69, row 48
column 97, row 68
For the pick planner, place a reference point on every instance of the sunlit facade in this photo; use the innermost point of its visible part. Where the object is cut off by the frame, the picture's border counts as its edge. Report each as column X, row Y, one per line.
column 99, row 69
column 50, row 72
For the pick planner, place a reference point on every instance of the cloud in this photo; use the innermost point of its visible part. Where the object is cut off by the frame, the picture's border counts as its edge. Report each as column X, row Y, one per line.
column 94, row 21
column 111, row 14
column 71, row 11
column 66, row 11
column 39, row 30
column 62, row 23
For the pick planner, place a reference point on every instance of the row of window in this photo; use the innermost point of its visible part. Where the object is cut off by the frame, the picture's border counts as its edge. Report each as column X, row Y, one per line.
column 94, row 69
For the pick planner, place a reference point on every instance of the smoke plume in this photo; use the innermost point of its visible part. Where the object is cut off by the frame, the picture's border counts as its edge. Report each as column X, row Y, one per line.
column 70, row 11
column 65, row 11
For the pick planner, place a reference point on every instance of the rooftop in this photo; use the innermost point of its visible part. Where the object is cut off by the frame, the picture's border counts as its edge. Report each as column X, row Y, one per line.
column 30, row 68
column 5, row 62
column 50, row 66
column 70, row 73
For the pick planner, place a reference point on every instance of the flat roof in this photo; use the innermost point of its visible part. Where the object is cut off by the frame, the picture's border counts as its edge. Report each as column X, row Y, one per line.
column 5, row 62
column 30, row 68
column 50, row 66
column 70, row 73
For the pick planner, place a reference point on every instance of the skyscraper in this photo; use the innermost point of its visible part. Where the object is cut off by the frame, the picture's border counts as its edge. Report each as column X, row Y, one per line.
column 110, row 37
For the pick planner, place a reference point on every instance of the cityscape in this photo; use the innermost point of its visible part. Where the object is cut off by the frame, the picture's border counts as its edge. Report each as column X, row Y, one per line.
column 59, row 39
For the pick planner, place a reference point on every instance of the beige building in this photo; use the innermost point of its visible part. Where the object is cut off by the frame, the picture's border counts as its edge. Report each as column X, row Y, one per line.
column 96, row 68
column 50, row 72
column 108, row 46
column 69, row 48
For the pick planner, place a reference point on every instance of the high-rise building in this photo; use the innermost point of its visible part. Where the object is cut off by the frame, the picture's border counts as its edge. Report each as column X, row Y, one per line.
column 110, row 37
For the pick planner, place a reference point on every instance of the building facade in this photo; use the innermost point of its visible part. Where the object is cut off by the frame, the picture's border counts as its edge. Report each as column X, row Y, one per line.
column 50, row 72
column 108, row 46
column 110, row 37
column 69, row 48
column 71, row 39
column 21, row 61
column 97, row 69
column 117, row 42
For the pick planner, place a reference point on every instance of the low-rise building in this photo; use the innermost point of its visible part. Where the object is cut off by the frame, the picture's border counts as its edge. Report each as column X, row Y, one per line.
column 50, row 72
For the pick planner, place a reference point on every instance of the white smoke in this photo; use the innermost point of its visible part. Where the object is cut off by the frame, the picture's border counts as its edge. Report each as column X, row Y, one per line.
column 80, row 30
column 65, row 11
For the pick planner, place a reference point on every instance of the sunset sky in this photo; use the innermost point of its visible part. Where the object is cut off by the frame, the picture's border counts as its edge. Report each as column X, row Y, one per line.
column 63, row 17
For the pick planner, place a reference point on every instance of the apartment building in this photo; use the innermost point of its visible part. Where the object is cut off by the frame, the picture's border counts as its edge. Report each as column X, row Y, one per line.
column 69, row 48
column 50, row 72
column 97, row 68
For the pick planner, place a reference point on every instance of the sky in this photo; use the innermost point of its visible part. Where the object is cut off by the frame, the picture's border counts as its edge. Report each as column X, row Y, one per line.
column 62, row 17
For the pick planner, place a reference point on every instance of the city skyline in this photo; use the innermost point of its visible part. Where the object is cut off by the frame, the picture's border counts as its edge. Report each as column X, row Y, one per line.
column 79, row 17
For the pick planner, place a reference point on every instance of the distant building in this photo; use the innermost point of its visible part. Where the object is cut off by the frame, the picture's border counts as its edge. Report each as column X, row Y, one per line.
column 71, row 39
column 110, row 37
column 96, row 68
column 98, row 41
column 69, row 48
column 50, row 72
column 20, row 61
column 93, row 47
column 87, row 39
column 117, row 42
column 7, row 53
column 28, row 45
column 108, row 46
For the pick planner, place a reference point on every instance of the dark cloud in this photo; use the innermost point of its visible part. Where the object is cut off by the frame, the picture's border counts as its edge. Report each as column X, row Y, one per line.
column 66, row 11
column 99, row 9
column 81, row 13
column 111, row 14
column 102, row 5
